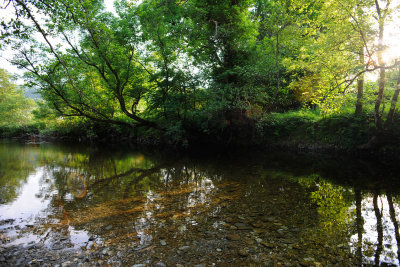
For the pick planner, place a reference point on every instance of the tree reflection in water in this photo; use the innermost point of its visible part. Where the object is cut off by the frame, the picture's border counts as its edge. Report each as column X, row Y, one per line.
column 359, row 225
column 394, row 221
column 132, row 200
column 377, row 239
column 379, row 228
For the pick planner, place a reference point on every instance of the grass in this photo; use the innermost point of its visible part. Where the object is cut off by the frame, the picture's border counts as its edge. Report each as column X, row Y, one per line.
column 344, row 130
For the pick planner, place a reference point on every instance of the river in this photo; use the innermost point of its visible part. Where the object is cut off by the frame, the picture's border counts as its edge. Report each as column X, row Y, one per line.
column 80, row 205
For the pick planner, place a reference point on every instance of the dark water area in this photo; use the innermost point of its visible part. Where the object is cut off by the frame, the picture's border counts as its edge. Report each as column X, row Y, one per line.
column 86, row 206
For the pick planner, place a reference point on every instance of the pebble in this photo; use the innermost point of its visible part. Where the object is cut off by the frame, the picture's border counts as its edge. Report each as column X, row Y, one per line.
column 233, row 237
column 268, row 219
column 66, row 264
column 182, row 228
column 105, row 251
column 184, row 248
column 249, row 241
column 259, row 230
column 268, row 245
column 243, row 253
column 256, row 224
column 160, row 264
column 281, row 232
column 163, row 243
column 210, row 233
column 243, row 226
column 57, row 247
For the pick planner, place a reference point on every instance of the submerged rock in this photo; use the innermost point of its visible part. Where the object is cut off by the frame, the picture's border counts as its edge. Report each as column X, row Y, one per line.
column 243, row 226
column 243, row 252
column 233, row 237
column 184, row 248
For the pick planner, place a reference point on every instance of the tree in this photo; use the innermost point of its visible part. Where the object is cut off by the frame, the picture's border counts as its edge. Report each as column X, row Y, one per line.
column 95, row 73
column 279, row 27
column 393, row 103
column 14, row 106
column 166, row 48
column 330, row 58
column 382, row 14
column 223, row 37
column 361, row 24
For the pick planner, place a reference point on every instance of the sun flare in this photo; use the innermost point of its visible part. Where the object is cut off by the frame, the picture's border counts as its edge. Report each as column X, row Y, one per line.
column 392, row 42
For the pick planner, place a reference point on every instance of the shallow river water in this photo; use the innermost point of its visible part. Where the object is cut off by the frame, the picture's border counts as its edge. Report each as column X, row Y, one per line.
column 85, row 206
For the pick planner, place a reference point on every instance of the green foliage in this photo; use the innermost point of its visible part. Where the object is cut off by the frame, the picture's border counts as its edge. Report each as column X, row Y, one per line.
column 309, row 127
column 15, row 108
column 332, row 206
column 285, row 125
column 350, row 130
column 15, row 168
column 227, row 70
column 16, row 117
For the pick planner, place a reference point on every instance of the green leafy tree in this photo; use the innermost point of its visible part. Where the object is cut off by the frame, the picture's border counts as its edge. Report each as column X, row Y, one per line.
column 223, row 37
column 14, row 106
column 327, row 63
column 94, row 72
column 280, row 27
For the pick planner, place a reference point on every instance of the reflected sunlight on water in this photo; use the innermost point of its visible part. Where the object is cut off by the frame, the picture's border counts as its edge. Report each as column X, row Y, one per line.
column 379, row 227
column 277, row 210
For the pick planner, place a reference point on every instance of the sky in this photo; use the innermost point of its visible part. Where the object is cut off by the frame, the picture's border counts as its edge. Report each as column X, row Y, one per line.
column 4, row 64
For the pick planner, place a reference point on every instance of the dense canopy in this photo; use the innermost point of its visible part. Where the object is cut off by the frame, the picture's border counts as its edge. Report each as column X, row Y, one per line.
column 193, row 68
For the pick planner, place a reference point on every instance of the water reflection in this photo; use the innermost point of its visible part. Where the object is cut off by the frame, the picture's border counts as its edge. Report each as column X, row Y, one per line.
column 267, row 208
column 16, row 164
column 377, row 237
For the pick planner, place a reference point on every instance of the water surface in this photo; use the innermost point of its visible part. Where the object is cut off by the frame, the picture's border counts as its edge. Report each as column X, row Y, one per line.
column 131, row 206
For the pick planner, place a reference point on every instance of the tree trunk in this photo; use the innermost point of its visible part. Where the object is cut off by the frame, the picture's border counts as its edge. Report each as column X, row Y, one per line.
column 278, row 78
column 360, row 85
column 379, row 228
column 393, row 103
column 394, row 221
column 378, row 115
column 360, row 225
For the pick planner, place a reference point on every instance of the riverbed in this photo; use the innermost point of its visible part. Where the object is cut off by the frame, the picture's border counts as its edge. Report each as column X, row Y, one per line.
column 82, row 206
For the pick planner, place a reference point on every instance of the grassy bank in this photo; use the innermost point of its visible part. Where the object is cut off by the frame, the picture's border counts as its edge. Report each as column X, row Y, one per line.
column 295, row 129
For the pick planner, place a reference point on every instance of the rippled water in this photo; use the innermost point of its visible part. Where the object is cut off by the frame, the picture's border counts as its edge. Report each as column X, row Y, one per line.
column 228, row 208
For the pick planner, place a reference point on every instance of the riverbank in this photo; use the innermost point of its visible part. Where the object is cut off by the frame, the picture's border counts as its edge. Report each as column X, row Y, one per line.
column 296, row 132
